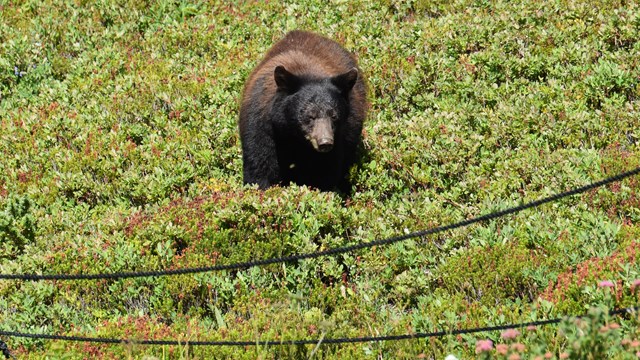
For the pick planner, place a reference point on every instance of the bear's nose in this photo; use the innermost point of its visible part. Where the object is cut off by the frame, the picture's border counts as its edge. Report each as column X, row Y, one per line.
column 321, row 136
column 325, row 144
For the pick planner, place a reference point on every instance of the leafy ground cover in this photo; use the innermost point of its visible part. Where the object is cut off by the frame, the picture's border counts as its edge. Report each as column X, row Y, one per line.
column 119, row 152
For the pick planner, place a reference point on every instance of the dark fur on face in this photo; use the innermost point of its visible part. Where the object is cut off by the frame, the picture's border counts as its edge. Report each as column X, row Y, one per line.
column 316, row 108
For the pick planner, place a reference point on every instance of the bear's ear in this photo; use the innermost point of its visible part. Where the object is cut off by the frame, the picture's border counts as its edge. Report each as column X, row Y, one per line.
column 285, row 80
column 345, row 81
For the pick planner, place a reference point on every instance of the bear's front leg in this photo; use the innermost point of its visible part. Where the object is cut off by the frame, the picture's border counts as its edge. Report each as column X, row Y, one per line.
column 260, row 161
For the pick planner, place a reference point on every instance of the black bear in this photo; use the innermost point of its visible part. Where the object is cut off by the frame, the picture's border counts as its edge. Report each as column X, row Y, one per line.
column 301, row 114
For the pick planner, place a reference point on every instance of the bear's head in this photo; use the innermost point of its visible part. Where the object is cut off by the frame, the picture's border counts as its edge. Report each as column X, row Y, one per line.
column 316, row 107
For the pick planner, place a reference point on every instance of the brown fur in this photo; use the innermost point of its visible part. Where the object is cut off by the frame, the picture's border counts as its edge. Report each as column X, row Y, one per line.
column 304, row 53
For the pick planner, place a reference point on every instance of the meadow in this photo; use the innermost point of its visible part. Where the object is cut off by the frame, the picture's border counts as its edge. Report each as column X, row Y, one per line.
column 119, row 151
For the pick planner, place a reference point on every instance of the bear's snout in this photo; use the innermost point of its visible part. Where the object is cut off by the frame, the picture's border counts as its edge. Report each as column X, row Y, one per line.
column 322, row 135
column 325, row 145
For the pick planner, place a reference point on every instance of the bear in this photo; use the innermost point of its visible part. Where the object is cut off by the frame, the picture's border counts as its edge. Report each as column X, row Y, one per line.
column 301, row 115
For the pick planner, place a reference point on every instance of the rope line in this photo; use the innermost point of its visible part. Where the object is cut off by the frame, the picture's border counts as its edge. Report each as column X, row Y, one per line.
column 328, row 252
column 421, row 335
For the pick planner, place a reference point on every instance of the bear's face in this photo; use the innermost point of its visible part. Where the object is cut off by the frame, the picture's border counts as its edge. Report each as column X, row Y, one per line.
column 316, row 107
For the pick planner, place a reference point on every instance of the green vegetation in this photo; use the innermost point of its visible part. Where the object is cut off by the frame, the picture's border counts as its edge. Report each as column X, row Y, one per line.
column 119, row 152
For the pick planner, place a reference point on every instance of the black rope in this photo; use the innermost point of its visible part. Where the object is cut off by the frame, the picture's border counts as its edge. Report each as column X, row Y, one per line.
column 328, row 252
column 4, row 349
column 302, row 342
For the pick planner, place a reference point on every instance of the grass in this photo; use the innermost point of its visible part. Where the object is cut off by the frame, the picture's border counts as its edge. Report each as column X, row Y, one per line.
column 119, row 151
